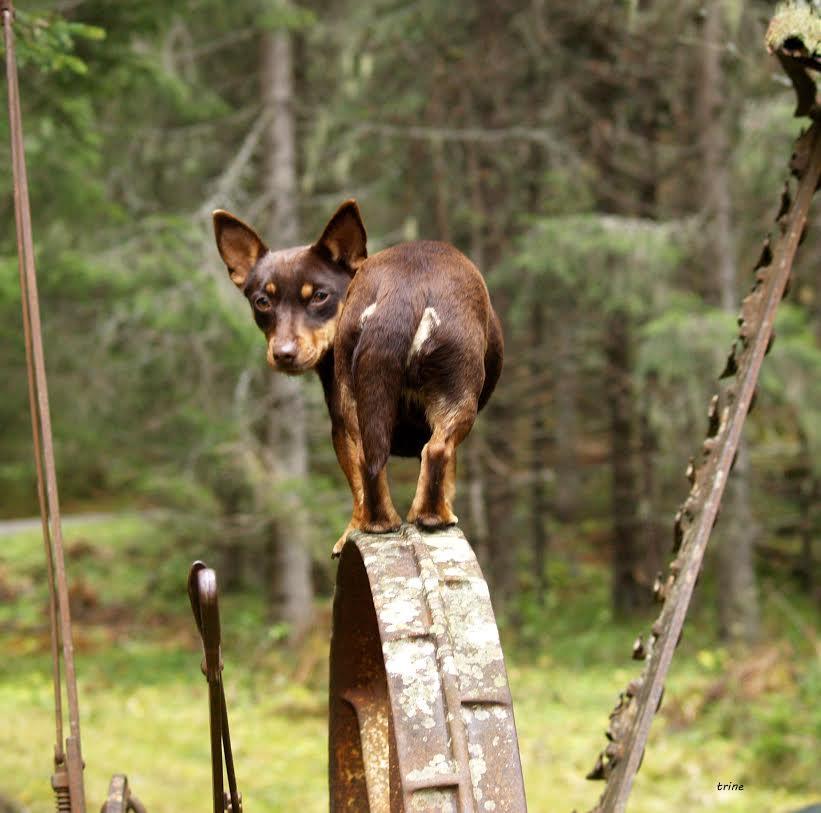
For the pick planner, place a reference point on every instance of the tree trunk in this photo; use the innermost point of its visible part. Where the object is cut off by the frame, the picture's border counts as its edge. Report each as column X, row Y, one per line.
column 476, row 479
column 808, row 497
column 289, row 548
column 566, row 415
column 500, row 562
column 737, row 592
column 627, row 592
column 539, row 503
column 498, row 484
column 655, row 545
column 737, row 596
column 541, row 388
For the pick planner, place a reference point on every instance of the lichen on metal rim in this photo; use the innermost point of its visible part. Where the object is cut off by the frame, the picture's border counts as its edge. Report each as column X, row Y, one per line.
column 453, row 743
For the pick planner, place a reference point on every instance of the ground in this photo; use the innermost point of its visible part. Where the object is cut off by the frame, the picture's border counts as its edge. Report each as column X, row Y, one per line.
column 748, row 718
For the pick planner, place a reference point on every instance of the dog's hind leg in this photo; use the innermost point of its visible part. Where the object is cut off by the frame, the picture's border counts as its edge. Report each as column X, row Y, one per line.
column 432, row 505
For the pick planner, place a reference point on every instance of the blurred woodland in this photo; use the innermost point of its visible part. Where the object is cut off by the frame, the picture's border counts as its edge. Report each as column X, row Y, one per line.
column 611, row 168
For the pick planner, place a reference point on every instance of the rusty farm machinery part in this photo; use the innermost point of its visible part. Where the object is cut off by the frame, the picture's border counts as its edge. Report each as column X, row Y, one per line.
column 637, row 705
column 421, row 717
column 119, row 798
column 204, row 598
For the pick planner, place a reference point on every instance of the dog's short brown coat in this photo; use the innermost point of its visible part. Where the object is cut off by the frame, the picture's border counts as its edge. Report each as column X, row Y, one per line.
column 406, row 343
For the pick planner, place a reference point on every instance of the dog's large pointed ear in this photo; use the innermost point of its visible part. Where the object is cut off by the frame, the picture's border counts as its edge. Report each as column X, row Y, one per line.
column 344, row 239
column 238, row 244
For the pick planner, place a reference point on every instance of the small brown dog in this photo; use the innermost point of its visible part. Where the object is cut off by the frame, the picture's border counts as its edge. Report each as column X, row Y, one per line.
column 406, row 344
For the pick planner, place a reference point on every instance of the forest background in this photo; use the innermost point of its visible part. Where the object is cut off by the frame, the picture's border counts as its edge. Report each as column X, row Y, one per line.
column 612, row 168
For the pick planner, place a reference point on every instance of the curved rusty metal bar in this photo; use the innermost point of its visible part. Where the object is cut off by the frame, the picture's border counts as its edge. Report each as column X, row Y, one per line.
column 421, row 717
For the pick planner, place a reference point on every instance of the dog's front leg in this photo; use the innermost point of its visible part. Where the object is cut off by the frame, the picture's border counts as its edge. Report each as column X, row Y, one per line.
column 347, row 453
column 373, row 509
column 378, row 514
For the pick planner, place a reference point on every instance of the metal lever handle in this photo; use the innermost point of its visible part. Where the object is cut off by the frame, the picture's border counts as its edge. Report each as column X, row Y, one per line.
column 203, row 594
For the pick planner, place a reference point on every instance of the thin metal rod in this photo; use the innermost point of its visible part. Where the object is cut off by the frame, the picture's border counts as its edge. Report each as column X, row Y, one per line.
column 40, row 387
column 215, row 715
column 59, row 754
column 229, row 756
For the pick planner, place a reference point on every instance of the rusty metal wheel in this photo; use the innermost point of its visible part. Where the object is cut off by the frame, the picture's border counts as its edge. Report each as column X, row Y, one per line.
column 421, row 717
column 119, row 799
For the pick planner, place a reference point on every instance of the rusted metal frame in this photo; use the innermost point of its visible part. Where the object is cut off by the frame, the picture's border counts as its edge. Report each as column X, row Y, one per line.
column 204, row 597
column 120, row 798
column 632, row 717
column 41, row 422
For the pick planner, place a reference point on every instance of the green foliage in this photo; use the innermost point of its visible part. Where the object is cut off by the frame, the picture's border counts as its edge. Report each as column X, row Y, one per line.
column 686, row 342
column 285, row 15
column 681, row 353
column 792, row 381
column 606, row 262
column 48, row 41
column 781, row 750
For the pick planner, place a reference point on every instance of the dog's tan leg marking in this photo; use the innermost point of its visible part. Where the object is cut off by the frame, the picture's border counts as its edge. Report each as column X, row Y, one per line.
column 380, row 516
column 373, row 509
column 432, row 505
column 347, row 453
column 450, row 484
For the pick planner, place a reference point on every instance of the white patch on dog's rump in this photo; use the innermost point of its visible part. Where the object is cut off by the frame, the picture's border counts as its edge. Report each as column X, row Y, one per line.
column 429, row 321
column 366, row 313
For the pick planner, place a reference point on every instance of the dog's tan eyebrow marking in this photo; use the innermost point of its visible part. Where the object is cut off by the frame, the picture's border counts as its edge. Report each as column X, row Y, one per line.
column 307, row 290
column 271, row 288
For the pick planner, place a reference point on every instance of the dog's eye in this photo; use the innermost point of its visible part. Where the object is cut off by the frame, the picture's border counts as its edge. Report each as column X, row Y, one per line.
column 262, row 303
column 319, row 297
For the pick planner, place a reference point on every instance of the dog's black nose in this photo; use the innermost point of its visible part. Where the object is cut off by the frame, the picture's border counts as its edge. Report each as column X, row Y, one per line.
column 285, row 353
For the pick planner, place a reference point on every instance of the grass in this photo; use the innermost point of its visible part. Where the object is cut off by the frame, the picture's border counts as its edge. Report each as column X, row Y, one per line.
column 747, row 717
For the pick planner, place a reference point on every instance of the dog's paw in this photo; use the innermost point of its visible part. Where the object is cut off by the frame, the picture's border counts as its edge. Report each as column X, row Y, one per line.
column 383, row 526
column 336, row 551
column 433, row 521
